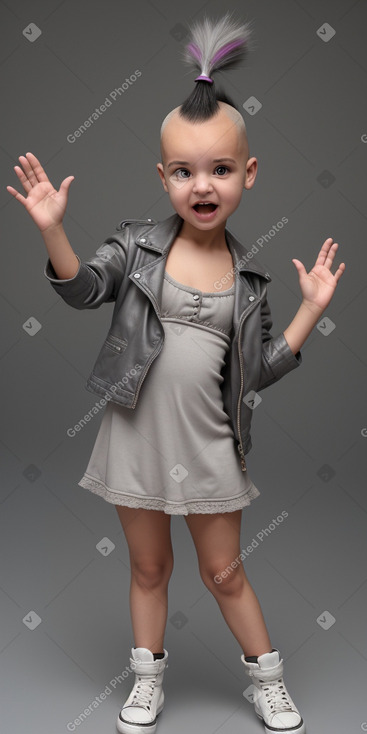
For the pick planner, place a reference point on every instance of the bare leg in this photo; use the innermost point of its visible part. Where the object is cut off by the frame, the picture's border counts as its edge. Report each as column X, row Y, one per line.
column 216, row 539
column 151, row 560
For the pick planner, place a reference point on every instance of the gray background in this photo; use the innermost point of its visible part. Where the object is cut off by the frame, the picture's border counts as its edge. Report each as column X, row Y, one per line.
column 309, row 431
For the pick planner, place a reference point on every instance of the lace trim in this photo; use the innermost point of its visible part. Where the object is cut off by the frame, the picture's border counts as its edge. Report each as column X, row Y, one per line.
column 150, row 503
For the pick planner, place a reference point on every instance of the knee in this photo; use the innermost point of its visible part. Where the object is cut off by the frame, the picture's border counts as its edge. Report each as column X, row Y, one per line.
column 224, row 578
column 150, row 574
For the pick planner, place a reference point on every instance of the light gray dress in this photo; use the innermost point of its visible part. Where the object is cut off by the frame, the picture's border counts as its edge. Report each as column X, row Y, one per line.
column 175, row 451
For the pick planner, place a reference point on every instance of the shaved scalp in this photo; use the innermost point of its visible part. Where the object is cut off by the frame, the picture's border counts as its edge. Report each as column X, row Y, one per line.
column 230, row 111
column 168, row 118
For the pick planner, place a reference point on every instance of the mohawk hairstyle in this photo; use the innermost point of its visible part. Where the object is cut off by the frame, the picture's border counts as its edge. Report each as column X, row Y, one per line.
column 213, row 46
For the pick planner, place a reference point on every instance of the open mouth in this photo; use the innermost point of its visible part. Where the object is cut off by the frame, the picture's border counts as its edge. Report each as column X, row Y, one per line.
column 205, row 208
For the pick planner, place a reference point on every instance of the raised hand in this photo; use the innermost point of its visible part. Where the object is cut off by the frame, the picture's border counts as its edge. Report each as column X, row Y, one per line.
column 45, row 205
column 319, row 284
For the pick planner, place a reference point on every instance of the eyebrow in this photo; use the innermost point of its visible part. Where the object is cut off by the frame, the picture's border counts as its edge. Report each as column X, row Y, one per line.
column 187, row 163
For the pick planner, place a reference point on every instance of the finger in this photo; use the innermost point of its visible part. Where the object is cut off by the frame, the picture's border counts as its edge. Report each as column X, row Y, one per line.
column 28, row 170
column 16, row 194
column 23, row 178
column 330, row 255
column 327, row 252
column 38, row 170
column 31, row 172
column 339, row 271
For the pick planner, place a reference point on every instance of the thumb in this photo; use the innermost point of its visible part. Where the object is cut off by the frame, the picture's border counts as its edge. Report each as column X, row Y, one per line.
column 300, row 267
column 65, row 184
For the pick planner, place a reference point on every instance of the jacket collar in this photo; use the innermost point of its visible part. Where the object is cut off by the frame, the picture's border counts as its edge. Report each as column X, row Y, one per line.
column 160, row 237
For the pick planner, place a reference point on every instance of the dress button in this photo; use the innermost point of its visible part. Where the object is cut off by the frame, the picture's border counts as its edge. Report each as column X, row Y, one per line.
column 136, row 275
column 196, row 297
column 251, row 298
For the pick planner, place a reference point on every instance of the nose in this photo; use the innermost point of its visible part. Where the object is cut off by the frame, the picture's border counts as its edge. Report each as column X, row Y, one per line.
column 202, row 183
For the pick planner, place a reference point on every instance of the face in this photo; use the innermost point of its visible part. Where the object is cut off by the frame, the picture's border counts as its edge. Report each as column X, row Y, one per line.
column 205, row 162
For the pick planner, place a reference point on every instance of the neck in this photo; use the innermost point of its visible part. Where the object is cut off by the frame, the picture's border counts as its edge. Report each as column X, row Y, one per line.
column 210, row 239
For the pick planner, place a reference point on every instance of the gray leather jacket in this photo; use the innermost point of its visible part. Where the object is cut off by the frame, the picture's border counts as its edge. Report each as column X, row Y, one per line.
column 128, row 269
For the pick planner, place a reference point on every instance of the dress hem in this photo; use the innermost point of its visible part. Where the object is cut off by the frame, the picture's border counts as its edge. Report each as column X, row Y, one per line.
column 170, row 508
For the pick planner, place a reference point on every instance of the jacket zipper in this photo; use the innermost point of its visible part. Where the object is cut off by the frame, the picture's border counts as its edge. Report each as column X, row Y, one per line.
column 152, row 358
column 239, row 444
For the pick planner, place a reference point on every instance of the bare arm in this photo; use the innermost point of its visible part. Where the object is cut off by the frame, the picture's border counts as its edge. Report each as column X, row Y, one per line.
column 62, row 256
column 301, row 326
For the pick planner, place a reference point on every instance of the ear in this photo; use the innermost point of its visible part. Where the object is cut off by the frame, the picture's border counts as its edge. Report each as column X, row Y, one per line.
column 162, row 176
column 251, row 171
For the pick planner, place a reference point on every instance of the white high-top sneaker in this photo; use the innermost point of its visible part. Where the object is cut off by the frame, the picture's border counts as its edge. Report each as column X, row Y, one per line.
column 272, row 701
column 140, row 710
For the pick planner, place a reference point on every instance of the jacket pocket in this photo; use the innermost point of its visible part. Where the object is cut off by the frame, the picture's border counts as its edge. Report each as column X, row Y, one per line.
column 115, row 343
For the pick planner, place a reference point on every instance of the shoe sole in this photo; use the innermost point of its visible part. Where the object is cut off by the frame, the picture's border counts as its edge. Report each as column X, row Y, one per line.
column 125, row 727
column 301, row 729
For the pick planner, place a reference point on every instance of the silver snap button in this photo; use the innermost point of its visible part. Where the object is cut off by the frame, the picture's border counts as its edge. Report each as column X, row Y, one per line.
column 142, row 239
column 149, row 220
column 196, row 297
column 136, row 275
column 251, row 298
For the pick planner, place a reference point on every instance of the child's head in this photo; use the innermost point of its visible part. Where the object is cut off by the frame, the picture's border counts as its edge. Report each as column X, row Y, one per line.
column 204, row 147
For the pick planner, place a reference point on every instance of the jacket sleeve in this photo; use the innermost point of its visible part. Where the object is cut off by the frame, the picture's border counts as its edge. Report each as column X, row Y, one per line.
column 277, row 357
column 97, row 280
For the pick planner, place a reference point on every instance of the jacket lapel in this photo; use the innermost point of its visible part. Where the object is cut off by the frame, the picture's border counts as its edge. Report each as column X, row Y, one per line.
column 159, row 239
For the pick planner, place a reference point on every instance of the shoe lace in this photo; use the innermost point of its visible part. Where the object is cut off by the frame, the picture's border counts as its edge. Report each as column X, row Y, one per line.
column 276, row 695
column 144, row 689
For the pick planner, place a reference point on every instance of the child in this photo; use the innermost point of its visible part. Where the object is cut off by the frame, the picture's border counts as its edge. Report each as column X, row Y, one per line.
column 189, row 341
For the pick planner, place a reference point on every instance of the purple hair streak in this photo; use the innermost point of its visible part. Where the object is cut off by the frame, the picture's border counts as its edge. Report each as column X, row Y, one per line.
column 217, row 44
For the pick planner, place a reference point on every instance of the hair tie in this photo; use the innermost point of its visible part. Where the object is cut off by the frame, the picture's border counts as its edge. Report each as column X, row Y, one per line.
column 203, row 78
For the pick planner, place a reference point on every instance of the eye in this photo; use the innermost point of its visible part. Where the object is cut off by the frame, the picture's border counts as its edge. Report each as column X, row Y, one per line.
column 179, row 170
column 223, row 168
